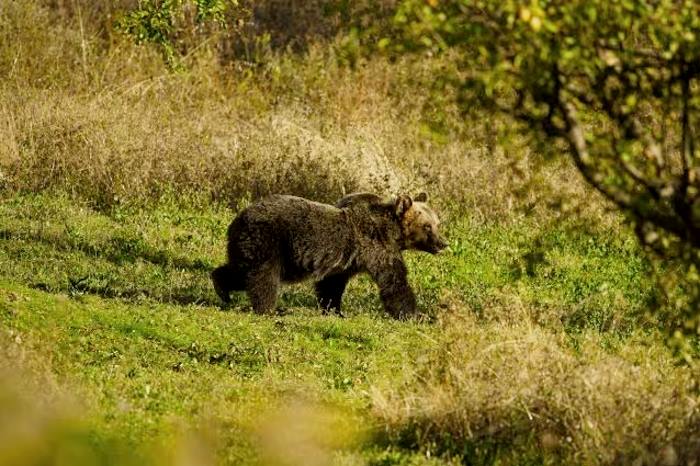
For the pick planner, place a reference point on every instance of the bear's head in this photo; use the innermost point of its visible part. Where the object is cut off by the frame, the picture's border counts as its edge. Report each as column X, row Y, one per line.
column 419, row 224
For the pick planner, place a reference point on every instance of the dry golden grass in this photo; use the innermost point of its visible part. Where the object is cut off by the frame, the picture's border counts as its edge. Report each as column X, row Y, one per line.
column 521, row 391
column 89, row 113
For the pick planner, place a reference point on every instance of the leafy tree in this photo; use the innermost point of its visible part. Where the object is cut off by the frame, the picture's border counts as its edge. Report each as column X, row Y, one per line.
column 615, row 80
column 249, row 26
column 166, row 22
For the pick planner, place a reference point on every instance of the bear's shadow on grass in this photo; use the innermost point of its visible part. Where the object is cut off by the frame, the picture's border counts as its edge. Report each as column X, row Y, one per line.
column 118, row 249
column 121, row 250
column 183, row 296
column 194, row 294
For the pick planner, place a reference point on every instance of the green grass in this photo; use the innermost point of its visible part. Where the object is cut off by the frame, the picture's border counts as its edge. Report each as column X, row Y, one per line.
column 141, row 364
column 164, row 254
column 120, row 307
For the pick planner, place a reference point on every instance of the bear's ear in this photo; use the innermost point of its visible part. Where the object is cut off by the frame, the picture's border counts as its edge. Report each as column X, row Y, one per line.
column 421, row 197
column 403, row 203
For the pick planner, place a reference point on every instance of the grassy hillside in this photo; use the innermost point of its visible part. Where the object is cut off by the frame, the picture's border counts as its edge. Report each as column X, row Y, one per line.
column 116, row 310
column 537, row 341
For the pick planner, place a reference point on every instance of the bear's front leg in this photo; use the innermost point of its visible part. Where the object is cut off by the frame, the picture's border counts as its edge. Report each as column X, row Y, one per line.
column 329, row 291
column 391, row 276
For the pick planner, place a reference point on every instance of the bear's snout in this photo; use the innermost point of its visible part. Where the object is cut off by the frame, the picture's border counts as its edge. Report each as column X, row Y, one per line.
column 438, row 244
column 442, row 242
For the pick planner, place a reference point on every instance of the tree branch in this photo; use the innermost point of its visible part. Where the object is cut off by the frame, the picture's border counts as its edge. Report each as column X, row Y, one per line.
column 687, row 148
column 583, row 160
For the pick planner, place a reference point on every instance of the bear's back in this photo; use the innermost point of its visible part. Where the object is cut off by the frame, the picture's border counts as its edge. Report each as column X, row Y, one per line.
column 305, row 236
column 292, row 214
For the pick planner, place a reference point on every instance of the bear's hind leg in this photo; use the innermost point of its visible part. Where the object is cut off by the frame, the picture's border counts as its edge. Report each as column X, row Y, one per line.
column 226, row 279
column 262, row 285
column 219, row 277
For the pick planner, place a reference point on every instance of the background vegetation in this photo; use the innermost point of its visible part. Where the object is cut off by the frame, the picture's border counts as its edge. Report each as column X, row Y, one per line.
column 132, row 132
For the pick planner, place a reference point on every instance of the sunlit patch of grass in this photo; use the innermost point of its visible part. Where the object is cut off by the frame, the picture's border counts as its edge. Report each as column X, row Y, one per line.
column 139, row 367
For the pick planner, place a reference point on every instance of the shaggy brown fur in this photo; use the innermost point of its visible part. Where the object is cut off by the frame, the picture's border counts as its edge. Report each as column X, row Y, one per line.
column 288, row 239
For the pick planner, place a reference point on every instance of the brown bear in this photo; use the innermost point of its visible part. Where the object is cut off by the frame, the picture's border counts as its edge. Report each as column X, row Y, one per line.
column 287, row 239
